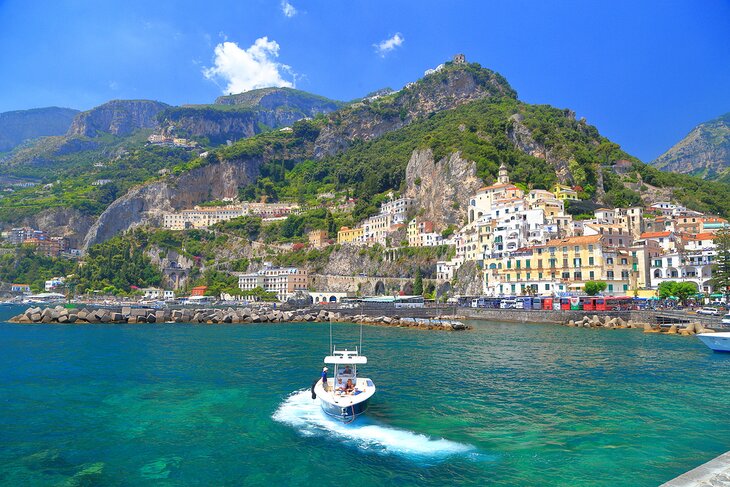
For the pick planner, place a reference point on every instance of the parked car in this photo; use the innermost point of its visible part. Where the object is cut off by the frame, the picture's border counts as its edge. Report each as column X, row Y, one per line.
column 725, row 319
column 708, row 311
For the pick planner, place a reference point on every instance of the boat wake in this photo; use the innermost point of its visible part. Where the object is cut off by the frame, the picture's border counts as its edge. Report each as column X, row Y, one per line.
column 305, row 415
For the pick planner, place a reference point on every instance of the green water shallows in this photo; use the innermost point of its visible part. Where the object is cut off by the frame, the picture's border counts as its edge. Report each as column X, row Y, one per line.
column 504, row 404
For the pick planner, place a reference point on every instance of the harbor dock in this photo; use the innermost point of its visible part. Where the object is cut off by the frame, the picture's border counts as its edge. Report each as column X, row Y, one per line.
column 715, row 473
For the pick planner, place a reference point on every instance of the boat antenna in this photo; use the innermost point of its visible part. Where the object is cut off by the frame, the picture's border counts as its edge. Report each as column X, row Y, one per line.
column 330, row 350
column 360, row 339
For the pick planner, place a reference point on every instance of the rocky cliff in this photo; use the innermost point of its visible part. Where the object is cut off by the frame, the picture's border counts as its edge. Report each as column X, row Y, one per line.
column 147, row 204
column 62, row 222
column 244, row 115
column 704, row 152
column 448, row 88
column 441, row 188
column 19, row 126
column 117, row 117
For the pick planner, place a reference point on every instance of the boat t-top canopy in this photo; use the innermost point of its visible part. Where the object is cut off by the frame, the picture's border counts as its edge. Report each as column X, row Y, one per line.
column 345, row 357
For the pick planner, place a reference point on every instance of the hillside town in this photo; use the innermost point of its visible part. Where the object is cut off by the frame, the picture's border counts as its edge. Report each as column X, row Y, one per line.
column 523, row 242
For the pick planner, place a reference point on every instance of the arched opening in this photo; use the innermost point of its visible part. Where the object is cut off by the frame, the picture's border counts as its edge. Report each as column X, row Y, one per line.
column 658, row 273
column 379, row 288
column 333, row 299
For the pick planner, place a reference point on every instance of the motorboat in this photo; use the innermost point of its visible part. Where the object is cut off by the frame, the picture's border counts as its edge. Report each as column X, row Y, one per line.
column 719, row 342
column 345, row 396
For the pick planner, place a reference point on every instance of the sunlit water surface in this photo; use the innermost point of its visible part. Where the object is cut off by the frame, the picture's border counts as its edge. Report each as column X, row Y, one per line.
column 504, row 404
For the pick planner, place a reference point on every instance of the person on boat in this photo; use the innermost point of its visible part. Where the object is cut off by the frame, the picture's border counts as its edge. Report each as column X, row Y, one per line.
column 340, row 386
column 324, row 378
column 347, row 370
column 349, row 387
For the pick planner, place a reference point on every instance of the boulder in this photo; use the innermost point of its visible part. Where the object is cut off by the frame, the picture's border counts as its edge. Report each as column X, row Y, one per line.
column 690, row 328
column 672, row 330
column 35, row 317
column 23, row 319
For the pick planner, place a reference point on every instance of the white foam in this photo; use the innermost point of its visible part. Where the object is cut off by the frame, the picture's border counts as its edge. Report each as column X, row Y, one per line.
column 305, row 414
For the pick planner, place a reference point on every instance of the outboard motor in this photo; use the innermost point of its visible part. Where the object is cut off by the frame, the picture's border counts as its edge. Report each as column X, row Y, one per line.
column 314, row 394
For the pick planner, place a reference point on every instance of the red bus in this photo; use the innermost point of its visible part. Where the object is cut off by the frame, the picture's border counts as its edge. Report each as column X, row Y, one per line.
column 547, row 303
column 589, row 303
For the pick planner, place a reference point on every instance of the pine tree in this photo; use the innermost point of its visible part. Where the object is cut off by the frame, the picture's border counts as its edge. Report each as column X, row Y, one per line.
column 721, row 269
column 418, row 283
column 331, row 225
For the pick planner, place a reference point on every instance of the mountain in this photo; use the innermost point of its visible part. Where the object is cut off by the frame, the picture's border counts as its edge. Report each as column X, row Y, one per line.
column 438, row 138
column 18, row 126
column 244, row 115
column 704, row 152
column 117, row 117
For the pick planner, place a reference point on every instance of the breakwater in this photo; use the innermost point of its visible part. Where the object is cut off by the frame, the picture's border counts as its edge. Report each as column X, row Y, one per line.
column 618, row 322
column 252, row 314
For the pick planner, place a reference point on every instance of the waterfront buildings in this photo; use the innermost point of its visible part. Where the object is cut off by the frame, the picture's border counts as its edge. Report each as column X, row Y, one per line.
column 283, row 281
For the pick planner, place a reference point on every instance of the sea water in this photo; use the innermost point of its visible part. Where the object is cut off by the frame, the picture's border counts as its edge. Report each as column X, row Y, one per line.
column 503, row 404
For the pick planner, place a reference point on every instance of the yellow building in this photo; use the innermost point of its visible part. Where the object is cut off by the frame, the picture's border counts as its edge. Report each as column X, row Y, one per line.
column 561, row 266
column 352, row 236
column 563, row 192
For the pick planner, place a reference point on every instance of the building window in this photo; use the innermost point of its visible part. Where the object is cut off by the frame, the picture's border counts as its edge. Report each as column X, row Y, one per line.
column 609, row 260
column 590, row 261
column 610, row 287
column 591, row 275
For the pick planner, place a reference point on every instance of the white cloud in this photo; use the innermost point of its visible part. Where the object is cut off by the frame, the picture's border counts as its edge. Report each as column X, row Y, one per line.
column 288, row 9
column 384, row 47
column 248, row 69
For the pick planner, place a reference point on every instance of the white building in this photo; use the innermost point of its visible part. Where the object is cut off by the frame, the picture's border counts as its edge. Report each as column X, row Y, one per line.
column 54, row 282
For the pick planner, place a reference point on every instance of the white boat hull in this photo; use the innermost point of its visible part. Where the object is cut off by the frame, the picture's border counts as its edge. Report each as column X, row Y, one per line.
column 345, row 407
column 719, row 342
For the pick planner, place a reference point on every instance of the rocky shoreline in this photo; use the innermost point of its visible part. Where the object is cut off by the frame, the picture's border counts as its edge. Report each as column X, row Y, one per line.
column 616, row 323
column 262, row 314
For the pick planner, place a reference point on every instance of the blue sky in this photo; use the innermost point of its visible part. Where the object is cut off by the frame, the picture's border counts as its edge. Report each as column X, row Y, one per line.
column 643, row 72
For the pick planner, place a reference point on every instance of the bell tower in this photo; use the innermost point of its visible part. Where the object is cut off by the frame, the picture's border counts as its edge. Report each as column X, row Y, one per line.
column 503, row 177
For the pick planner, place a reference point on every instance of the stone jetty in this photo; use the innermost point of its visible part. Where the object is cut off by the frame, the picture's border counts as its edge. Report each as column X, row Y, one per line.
column 614, row 323
column 252, row 314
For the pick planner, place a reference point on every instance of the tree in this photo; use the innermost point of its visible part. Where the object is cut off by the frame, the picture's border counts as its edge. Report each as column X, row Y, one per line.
column 666, row 289
column 679, row 290
column 331, row 225
column 684, row 290
column 594, row 287
column 721, row 270
column 418, row 283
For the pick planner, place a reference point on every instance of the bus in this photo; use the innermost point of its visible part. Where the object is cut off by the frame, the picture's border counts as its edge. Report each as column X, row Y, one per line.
column 571, row 303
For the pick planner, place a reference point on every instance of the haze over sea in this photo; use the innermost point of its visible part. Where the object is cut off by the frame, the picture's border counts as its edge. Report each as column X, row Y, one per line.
column 504, row 404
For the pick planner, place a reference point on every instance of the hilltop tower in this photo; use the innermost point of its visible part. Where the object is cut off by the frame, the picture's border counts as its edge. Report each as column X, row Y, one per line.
column 459, row 59
column 503, row 177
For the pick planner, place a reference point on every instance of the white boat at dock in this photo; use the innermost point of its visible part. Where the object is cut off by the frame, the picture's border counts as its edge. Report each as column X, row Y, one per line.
column 719, row 342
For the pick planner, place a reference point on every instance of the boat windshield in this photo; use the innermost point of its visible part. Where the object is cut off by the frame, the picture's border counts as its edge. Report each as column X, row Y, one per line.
column 346, row 371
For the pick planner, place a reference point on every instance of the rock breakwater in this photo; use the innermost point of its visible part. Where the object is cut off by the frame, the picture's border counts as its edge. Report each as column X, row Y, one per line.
column 613, row 323
column 252, row 314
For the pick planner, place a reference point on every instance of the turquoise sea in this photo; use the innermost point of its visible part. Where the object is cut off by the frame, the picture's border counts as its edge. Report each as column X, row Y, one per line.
column 504, row 404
